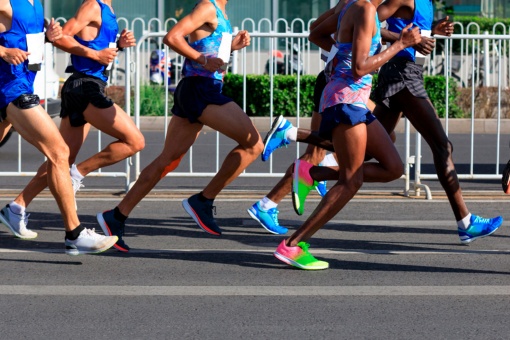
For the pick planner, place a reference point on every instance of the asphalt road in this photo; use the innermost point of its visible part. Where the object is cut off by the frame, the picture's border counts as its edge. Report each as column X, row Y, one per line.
column 397, row 269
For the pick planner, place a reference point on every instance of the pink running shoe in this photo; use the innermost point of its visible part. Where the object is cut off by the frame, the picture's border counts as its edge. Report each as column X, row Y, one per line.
column 302, row 183
column 299, row 257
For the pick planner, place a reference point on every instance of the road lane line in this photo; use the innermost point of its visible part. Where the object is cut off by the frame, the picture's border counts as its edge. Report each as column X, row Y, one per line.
column 75, row 291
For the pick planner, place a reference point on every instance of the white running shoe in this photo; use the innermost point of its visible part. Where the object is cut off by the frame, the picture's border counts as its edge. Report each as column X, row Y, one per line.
column 17, row 223
column 77, row 185
column 89, row 243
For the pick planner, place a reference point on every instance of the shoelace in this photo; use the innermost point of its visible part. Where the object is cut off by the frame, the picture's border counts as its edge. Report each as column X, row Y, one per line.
column 77, row 184
column 304, row 246
column 274, row 216
column 92, row 233
column 23, row 221
column 479, row 219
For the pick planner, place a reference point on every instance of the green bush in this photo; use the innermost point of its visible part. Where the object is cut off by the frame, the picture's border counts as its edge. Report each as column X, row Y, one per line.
column 257, row 94
column 486, row 24
column 284, row 94
column 152, row 101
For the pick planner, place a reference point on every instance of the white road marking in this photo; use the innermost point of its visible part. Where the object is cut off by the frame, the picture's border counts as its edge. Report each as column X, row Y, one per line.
column 39, row 290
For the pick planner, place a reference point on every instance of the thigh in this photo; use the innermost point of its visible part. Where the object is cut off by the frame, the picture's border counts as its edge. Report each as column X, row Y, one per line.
column 230, row 120
column 423, row 117
column 380, row 146
column 113, row 121
column 350, row 145
column 36, row 127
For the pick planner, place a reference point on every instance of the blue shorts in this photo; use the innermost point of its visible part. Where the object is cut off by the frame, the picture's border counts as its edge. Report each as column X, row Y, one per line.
column 348, row 114
column 193, row 94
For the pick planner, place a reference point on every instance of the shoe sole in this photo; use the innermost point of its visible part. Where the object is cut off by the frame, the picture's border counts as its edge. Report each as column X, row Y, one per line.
column 288, row 261
column 76, row 252
column 505, row 179
column 7, row 224
column 295, row 187
column 271, row 132
column 468, row 241
column 197, row 220
column 106, row 230
column 262, row 224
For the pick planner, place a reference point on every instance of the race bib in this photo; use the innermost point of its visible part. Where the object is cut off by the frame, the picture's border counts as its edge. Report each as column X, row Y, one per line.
column 35, row 45
column 111, row 45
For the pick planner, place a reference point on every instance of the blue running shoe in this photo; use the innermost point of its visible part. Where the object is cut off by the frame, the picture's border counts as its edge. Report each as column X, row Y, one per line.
column 113, row 227
column 276, row 138
column 479, row 227
column 321, row 188
column 202, row 214
column 268, row 219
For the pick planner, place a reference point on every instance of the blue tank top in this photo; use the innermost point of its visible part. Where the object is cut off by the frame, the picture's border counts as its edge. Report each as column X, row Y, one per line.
column 18, row 80
column 423, row 17
column 209, row 47
column 107, row 34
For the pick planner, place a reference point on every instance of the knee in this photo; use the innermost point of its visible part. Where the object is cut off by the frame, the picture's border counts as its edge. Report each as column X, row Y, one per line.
column 256, row 147
column 353, row 184
column 59, row 155
column 443, row 150
column 396, row 171
column 137, row 143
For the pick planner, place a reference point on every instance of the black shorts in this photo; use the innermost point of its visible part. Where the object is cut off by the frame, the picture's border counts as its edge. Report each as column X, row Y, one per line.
column 193, row 94
column 320, row 84
column 394, row 76
column 24, row 102
column 78, row 92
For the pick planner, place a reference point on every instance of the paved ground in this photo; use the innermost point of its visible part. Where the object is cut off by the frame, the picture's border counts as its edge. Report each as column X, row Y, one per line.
column 397, row 268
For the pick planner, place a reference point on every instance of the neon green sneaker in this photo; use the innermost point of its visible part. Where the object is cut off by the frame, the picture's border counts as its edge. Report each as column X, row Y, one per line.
column 299, row 257
column 302, row 183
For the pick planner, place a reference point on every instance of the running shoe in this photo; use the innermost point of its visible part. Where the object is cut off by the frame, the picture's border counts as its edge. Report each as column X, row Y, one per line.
column 302, row 183
column 299, row 257
column 202, row 214
column 111, row 226
column 505, row 180
column 268, row 219
column 322, row 188
column 276, row 137
column 16, row 223
column 89, row 243
column 479, row 227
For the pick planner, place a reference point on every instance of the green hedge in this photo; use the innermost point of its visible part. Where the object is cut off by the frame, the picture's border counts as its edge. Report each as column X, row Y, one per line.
column 257, row 94
column 285, row 95
column 486, row 24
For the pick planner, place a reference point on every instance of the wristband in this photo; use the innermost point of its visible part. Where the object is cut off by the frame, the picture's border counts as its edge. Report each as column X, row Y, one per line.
column 118, row 46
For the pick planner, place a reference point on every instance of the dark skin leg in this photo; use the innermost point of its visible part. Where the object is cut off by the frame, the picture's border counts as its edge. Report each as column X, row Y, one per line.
column 423, row 117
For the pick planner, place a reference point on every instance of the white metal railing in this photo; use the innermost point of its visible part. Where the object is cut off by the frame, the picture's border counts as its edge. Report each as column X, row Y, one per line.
column 460, row 58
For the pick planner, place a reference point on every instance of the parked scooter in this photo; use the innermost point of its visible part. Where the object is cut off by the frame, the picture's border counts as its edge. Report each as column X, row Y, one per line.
column 285, row 63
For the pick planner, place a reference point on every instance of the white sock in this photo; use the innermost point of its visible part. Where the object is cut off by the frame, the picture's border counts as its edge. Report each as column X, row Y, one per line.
column 291, row 134
column 464, row 223
column 75, row 173
column 266, row 204
column 16, row 208
column 329, row 160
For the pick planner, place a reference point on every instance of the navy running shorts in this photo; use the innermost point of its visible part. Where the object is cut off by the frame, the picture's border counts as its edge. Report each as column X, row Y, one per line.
column 78, row 92
column 348, row 114
column 193, row 94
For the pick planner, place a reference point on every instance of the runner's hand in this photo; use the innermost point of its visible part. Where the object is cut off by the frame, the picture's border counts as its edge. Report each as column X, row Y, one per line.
column 410, row 36
column 106, row 56
column 443, row 27
column 213, row 64
column 426, row 46
column 127, row 39
column 53, row 31
column 14, row 56
column 241, row 40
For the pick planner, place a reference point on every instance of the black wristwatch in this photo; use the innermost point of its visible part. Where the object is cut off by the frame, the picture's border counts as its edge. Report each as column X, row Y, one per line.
column 118, row 46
